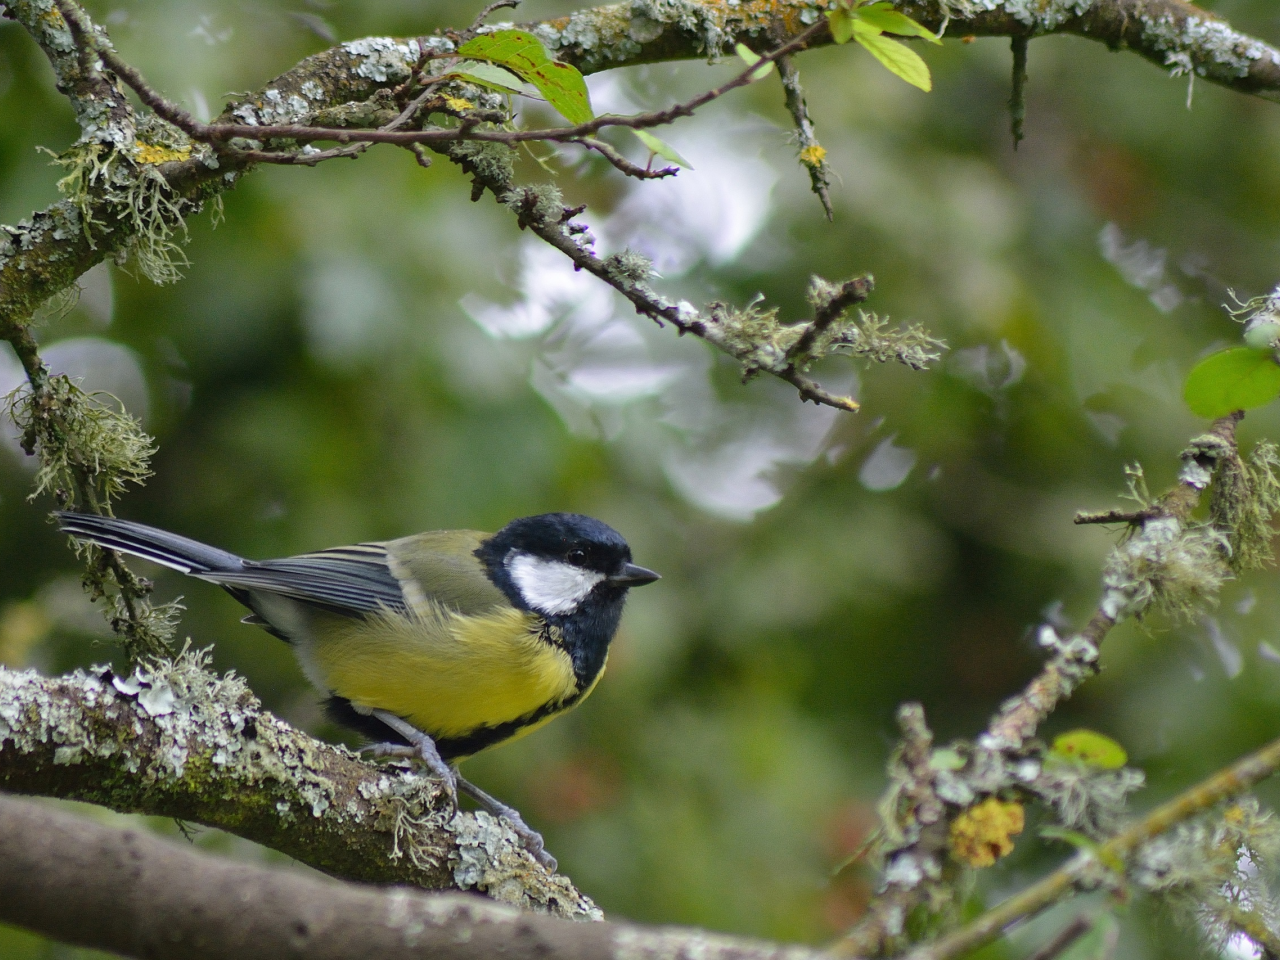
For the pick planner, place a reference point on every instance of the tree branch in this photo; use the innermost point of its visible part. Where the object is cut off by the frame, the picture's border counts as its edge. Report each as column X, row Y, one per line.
column 130, row 892
column 173, row 740
column 914, row 866
column 1081, row 872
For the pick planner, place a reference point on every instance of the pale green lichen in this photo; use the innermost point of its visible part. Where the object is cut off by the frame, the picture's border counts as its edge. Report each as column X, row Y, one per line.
column 1213, row 871
column 89, row 448
column 759, row 341
column 1245, row 498
column 1167, row 567
column 1085, row 797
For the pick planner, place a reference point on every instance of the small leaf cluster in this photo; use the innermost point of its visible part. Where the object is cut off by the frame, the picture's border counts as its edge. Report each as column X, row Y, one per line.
column 867, row 23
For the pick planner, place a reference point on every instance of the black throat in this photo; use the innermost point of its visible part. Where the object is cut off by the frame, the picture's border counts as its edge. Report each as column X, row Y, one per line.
column 585, row 633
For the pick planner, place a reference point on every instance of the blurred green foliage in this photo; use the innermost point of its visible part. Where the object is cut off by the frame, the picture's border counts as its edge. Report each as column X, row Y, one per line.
column 315, row 380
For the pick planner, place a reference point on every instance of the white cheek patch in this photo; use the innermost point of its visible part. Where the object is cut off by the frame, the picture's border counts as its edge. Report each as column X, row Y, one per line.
column 550, row 586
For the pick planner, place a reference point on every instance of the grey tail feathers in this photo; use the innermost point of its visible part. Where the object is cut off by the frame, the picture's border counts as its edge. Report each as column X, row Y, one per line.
column 167, row 549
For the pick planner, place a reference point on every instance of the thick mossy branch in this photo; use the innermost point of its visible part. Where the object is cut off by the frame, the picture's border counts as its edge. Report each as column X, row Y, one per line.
column 173, row 740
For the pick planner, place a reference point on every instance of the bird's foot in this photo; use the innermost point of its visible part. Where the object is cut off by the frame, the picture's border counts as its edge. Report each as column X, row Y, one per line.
column 422, row 748
column 402, row 750
column 530, row 839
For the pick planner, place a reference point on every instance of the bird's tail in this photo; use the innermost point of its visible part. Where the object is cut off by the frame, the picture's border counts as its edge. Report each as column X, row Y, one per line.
column 167, row 549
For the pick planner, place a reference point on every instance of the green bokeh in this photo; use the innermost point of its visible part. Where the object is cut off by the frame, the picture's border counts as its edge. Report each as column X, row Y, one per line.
column 314, row 380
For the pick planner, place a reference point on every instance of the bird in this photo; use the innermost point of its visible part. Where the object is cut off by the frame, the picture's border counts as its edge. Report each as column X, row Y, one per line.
column 436, row 645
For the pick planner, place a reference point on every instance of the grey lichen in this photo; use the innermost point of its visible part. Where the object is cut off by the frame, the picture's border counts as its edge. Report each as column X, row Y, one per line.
column 89, row 448
column 1086, row 798
column 1214, row 870
column 490, row 859
column 1175, row 569
column 1243, row 502
column 760, row 342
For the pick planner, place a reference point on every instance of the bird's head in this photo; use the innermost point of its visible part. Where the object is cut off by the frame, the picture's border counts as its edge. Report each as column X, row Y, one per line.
column 554, row 562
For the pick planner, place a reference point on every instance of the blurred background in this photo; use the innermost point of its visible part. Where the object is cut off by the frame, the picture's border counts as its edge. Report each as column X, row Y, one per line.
column 358, row 352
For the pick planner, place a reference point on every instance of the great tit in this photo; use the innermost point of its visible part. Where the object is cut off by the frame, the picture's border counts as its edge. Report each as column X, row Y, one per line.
column 437, row 645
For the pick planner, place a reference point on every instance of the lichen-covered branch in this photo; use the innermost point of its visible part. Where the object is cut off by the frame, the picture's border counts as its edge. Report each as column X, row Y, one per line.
column 173, row 740
column 1167, row 562
column 129, row 892
column 1088, row 869
column 117, row 163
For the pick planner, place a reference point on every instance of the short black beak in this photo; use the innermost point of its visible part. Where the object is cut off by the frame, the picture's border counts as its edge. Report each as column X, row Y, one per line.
column 632, row 575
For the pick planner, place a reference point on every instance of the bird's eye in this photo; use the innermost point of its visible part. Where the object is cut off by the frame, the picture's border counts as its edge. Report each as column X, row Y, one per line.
column 576, row 556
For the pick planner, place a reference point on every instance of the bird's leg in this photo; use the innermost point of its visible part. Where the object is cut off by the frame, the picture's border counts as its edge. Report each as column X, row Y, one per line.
column 530, row 838
column 424, row 748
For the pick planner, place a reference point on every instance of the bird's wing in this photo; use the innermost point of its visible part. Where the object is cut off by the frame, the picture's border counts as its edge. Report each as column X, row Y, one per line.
column 441, row 567
column 351, row 581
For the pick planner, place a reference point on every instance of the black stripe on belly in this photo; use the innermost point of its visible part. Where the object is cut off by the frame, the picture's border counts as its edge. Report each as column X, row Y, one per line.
column 341, row 712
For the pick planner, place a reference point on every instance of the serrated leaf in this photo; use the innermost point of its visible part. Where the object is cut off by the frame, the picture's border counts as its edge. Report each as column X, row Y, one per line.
column 840, row 22
column 1092, row 748
column 750, row 57
column 523, row 54
column 661, row 148
column 884, row 18
column 898, row 59
column 488, row 75
column 1236, row 379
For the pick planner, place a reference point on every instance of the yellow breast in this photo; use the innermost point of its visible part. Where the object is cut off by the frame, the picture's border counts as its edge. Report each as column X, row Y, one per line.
column 446, row 674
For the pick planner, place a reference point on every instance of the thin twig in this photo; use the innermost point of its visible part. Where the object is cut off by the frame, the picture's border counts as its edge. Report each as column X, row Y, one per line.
column 622, row 163
column 852, row 291
column 1018, row 89
column 812, row 154
column 1065, row 937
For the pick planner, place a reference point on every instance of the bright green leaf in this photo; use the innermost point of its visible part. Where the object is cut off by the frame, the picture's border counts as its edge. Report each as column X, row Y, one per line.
column 897, row 58
column 1236, row 379
column 488, row 75
column 945, row 758
column 523, row 54
column 661, row 148
column 840, row 22
column 884, row 18
column 1093, row 748
column 750, row 57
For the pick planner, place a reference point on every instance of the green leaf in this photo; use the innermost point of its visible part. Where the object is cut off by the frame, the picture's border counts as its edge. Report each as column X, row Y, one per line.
column 523, row 54
column 661, row 148
column 884, row 18
column 488, row 75
column 1235, row 379
column 897, row 58
column 945, row 758
column 1093, row 748
column 840, row 21
column 751, row 57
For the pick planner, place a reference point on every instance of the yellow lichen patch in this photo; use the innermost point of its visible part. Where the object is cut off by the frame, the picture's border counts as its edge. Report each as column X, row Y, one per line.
column 813, row 155
column 155, row 153
column 984, row 833
column 458, row 104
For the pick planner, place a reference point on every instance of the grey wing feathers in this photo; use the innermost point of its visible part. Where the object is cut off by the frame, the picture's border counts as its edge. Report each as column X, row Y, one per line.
column 158, row 546
column 347, row 580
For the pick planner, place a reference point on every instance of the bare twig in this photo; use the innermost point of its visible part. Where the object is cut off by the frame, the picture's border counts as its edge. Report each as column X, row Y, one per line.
column 1064, row 938
column 622, row 163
